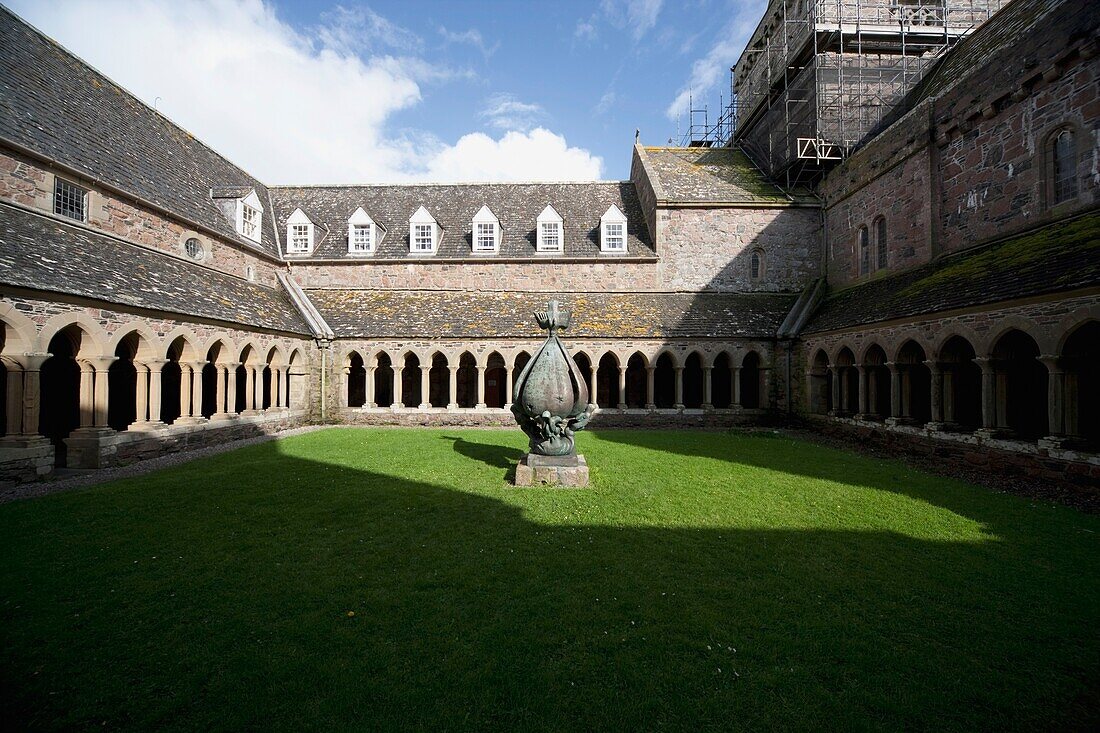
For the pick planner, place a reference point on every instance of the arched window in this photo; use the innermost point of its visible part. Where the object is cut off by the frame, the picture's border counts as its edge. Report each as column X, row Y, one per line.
column 1064, row 177
column 864, row 251
column 756, row 265
column 880, row 243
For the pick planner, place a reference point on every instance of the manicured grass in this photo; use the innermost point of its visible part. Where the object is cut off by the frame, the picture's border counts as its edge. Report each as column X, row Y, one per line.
column 706, row 581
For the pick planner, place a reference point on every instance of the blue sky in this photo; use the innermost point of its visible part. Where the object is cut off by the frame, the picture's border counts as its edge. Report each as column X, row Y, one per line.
column 340, row 92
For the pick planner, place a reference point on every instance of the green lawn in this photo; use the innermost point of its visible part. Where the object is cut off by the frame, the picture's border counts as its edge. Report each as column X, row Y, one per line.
column 364, row 579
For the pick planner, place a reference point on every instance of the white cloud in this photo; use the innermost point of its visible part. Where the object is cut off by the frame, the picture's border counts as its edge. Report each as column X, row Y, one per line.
column 290, row 105
column 506, row 112
column 517, row 156
column 713, row 68
column 606, row 102
column 636, row 15
column 470, row 37
column 586, row 30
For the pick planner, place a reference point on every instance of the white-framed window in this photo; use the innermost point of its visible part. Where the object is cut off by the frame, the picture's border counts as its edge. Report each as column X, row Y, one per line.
column 486, row 231
column 424, row 232
column 69, row 199
column 250, row 214
column 550, row 232
column 299, row 233
column 362, row 233
column 613, row 230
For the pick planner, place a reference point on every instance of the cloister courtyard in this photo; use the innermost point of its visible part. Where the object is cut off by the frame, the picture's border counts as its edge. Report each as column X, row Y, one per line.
column 352, row 578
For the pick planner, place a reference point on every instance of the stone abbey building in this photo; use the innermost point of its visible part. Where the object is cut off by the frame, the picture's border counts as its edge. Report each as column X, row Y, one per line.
column 911, row 256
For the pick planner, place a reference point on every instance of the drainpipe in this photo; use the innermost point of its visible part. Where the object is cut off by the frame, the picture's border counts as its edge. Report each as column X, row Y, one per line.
column 324, row 380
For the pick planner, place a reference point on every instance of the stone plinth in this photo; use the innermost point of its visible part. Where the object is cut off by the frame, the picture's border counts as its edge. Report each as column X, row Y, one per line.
column 564, row 471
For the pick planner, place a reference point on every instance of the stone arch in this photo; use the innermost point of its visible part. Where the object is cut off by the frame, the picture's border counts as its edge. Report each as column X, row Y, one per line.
column 439, row 380
column 751, row 378
column 66, row 395
column 585, row 366
column 1079, row 357
column 93, row 338
column 664, row 380
column 149, row 347
column 1021, row 384
column 519, row 363
column 692, row 375
column 411, row 379
column 134, row 346
column 466, row 381
column 637, row 389
column 847, row 378
column 956, row 330
column 721, row 380
column 819, row 393
column 1010, row 323
column 877, row 376
column 355, row 372
column 962, row 382
column 20, row 333
column 383, row 378
column 496, row 380
column 1073, row 321
column 916, row 382
column 607, row 381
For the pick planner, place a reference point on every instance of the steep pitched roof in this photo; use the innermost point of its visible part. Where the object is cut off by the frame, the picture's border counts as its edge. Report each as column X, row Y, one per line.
column 1056, row 258
column 711, row 175
column 516, row 205
column 57, row 106
column 41, row 253
column 452, row 314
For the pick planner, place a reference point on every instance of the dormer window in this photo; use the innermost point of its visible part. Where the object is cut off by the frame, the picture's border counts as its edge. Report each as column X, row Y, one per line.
column 486, row 231
column 362, row 233
column 299, row 233
column 550, row 227
column 424, row 232
column 613, row 230
column 250, row 216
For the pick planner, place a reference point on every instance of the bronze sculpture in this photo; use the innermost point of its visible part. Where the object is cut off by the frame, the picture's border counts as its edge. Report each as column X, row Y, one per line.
column 550, row 398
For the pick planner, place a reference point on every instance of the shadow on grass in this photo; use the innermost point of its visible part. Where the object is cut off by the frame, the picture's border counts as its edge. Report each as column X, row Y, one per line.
column 218, row 596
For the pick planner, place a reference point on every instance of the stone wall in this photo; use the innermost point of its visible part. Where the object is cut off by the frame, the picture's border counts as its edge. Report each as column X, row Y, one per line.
column 709, row 248
column 28, row 183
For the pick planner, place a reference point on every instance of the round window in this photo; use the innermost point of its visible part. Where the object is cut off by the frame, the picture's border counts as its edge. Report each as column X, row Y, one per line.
column 194, row 248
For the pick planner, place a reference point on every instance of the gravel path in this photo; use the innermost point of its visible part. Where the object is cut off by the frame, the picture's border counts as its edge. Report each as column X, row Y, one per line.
column 27, row 490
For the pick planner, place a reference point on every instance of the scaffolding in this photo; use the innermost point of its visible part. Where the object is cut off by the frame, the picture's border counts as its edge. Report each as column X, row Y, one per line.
column 818, row 76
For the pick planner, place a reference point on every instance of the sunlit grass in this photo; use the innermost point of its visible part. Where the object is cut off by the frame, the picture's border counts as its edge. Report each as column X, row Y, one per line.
column 355, row 578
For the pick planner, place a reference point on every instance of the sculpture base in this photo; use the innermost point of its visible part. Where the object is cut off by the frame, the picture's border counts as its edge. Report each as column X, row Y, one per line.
column 565, row 471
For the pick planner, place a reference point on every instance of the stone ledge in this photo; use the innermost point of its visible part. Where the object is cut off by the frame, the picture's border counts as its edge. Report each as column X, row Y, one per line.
column 561, row 471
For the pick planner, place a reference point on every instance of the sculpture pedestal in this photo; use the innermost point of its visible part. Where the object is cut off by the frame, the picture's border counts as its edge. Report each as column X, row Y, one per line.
column 565, row 471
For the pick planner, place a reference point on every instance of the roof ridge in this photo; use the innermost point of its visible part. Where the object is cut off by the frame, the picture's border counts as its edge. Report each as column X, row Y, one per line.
column 424, row 184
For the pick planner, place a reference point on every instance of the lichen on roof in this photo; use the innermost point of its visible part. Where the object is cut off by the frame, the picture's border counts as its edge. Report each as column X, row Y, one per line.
column 720, row 175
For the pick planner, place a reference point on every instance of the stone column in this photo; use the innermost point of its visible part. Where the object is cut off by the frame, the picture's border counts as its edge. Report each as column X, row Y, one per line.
column 345, row 383
column 32, row 391
column 679, row 402
column 622, row 388
column 220, row 411
column 835, row 388
column 936, row 372
column 231, row 387
column 989, row 393
column 101, row 395
column 425, row 384
column 13, row 398
column 947, row 392
column 155, row 389
column 249, row 388
column 398, row 388
column 370, row 387
column 861, row 372
column 708, row 388
column 452, row 396
column 196, row 390
column 765, row 388
column 141, row 393
column 593, row 382
column 480, row 387
column 1056, row 398
column 507, row 388
column 895, row 390
column 737, row 387
column 185, row 390
column 285, row 387
column 87, row 394
column 650, row 400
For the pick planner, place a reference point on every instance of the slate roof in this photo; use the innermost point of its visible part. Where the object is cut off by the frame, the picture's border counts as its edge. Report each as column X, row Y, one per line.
column 711, row 175
column 58, row 106
column 40, row 253
column 1056, row 258
column 419, row 314
column 516, row 205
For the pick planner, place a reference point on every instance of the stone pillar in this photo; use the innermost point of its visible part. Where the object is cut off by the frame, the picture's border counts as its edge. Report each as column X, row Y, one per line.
column 452, row 396
column 650, row 400
column 345, row 383
column 32, row 391
column 835, row 388
column 947, row 393
column 895, row 390
column 370, row 388
column 936, row 372
column 507, row 388
column 622, row 388
column 765, row 388
column 249, row 388
column 708, row 388
column 425, row 384
column 679, row 402
column 196, row 390
column 989, row 393
column 101, row 395
column 481, row 387
column 737, row 387
column 141, row 393
column 220, row 410
column 13, row 399
column 1056, row 398
column 156, row 386
column 231, row 387
column 276, row 388
column 185, row 390
column 87, row 394
column 284, row 385
column 593, row 382
column 861, row 371
column 398, row 388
